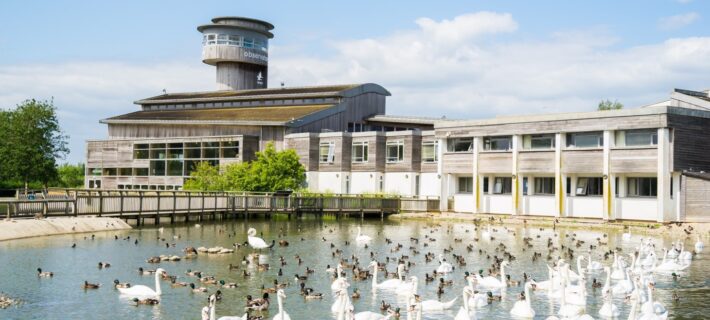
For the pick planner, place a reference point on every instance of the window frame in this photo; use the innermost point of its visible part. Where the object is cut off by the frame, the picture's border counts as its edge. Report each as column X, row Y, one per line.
column 500, row 184
column 466, row 183
column 364, row 148
column 531, row 138
column 572, row 139
column 329, row 156
column 634, row 187
column 651, row 133
column 488, row 142
column 435, row 145
column 396, row 145
column 594, row 189
column 451, row 144
column 542, row 184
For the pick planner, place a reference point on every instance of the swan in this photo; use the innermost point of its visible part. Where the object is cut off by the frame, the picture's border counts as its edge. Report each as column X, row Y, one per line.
column 464, row 312
column 579, row 298
column 592, row 265
column 434, row 305
column 608, row 309
column 475, row 298
column 626, row 236
column 361, row 238
column 346, row 310
column 486, row 234
column 699, row 245
column 342, row 302
column 650, row 260
column 684, row 255
column 523, row 308
column 673, row 251
column 141, row 291
column 390, row 284
column 618, row 271
column 408, row 288
column 417, row 306
column 669, row 265
column 256, row 242
column 444, row 267
column 623, row 287
column 212, row 316
column 653, row 309
column 282, row 315
column 551, row 284
column 491, row 282
column 568, row 310
column 606, row 289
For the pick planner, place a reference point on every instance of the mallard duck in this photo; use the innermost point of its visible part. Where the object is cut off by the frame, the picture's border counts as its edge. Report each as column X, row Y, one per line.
column 356, row 294
column 260, row 304
column 492, row 298
column 117, row 284
column 144, row 272
column 103, row 265
column 88, row 285
column 146, row 301
column 224, row 284
column 232, row 267
column 384, row 306
column 45, row 274
column 193, row 273
column 175, row 284
column 198, row 290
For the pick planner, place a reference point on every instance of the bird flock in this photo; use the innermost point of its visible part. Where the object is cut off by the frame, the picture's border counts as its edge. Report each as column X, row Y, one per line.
column 622, row 279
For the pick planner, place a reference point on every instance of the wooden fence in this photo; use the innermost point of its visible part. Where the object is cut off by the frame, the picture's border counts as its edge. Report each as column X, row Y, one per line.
column 138, row 205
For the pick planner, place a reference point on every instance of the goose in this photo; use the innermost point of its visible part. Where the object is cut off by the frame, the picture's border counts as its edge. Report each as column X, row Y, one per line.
column 523, row 307
column 444, row 267
column 361, row 238
column 491, row 282
column 464, row 312
column 256, row 242
column 144, row 291
column 653, row 309
column 281, row 315
column 390, row 284
column 699, row 245
column 44, row 274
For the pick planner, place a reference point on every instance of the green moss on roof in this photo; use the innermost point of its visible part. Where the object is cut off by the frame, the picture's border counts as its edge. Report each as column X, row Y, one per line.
column 279, row 113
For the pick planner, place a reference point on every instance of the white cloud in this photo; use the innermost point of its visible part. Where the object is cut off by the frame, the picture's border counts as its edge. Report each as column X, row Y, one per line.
column 677, row 21
column 471, row 66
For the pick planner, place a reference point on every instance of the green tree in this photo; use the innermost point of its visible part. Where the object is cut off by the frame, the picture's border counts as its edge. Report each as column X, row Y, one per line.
column 271, row 170
column 70, row 176
column 32, row 143
column 205, row 177
column 607, row 104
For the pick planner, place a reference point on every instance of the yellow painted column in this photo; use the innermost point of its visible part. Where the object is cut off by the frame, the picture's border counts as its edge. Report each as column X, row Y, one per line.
column 560, row 179
column 606, row 176
column 476, row 177
column 515, row 185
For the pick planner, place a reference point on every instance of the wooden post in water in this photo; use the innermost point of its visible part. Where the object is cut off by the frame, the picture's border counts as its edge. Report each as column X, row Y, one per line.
column 246, row 205
column 202, row 210
column 101, row 203
column 189, row 206
column 156, row 220
column 172, row 216
column 140, row 207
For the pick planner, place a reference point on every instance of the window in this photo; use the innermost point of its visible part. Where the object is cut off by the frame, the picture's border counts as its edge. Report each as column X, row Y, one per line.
column 109, row 171
column 485, row 185
column 545, row 185
column 175, row 168
column 395, row 151
column 210, row 150
column 230, row 149
column 465, row 185
column 502, row 185
column 641, row 187
column 539, row 142
column 126, row 172
column 585, row 140
column 359, row 152
column 430, row 151
column 140, row 172
column 459, row 145
column 157, row 168
column 382, row 184
column 637, row 138
column 497, row 143
column 140, row 151
column 327, row 152
column 589, row 187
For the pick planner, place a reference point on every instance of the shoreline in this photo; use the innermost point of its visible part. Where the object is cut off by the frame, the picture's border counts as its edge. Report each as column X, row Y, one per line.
column 635, row 227
column 30, row 228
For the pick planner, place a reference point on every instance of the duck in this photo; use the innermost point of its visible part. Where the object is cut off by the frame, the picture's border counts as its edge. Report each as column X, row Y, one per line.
column 88, row 285
column 197, row 289
column 356, row 294
column 260, row 304
column 144, row 272
column 117, row 284
column 146, row 301
column 229, row 285
column 523, row 307
column 44, row 274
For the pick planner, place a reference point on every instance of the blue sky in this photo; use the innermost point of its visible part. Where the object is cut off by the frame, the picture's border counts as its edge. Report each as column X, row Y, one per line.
column 462, row 59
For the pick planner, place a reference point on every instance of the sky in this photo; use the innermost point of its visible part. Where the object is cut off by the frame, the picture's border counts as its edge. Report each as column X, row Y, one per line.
column 459, row 59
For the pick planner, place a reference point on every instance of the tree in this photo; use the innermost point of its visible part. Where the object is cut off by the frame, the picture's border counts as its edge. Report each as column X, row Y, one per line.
column 607, row 104
column 32, row 142
column 70, row 176
column 271, row 170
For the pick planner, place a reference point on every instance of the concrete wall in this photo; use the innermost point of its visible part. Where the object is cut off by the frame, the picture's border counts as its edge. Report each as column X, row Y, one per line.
column 430, row 184
column 400, row 183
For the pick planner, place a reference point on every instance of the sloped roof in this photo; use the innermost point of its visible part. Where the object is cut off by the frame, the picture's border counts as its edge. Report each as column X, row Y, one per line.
column 260, row 114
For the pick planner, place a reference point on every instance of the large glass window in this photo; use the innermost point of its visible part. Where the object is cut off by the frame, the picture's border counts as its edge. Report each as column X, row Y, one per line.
column 210, row 150
column 465, row 185
column 589, row 186
column 157, row 151
column 140, row 172
column 641, row 187
column 230, row 149
column 110, row 171
column 157, row 167
column 190, row 166
column 326, row 152
column 585, row 140
column 544, row 185
column 359, row 152
column 175, row 167
column 637, row 138
column 502, row 185
column 126, row 172
column 175, row 151
column 193, row 150
column 497, row 143
column 539, row 142
column 395, row 151
column 140, row 151
column 459, row 145
column 430, row 151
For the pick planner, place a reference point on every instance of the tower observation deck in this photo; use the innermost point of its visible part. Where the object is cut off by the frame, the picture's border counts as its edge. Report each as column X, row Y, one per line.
column 239, row 48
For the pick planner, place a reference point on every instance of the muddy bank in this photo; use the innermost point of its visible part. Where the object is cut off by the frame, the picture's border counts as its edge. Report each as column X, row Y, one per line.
column 689, row 229
column 18, row 229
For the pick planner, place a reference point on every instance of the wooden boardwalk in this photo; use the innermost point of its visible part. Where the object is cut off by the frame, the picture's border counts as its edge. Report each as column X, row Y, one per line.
column 184, row 206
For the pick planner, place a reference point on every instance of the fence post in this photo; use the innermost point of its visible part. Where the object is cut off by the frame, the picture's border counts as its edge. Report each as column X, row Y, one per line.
column 246, row 205
column 189, row 206
column 101, row 203
column 120, row 198
column 140, row 207
column 172, row 216
column 202, row 211
column 157, row 210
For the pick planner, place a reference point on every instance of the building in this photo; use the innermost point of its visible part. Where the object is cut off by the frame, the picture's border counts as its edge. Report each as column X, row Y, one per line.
column 646, row 163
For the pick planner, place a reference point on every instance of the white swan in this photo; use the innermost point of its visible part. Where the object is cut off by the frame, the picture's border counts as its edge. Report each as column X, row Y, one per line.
column 361, row 238
column 464, row 312
column 568, row 310
column 608, row 309
column 699, row 245
column 407, row 288
column 254, row 241
column 617, row 270
column 486, row 234
column 653, row 309
column 669, row 265
column 491, row 282
column 435, row 305
column 141, row 291
column 342, row 302
column 212, row 316
column 523, row 308
column 444, row 267
column 390, row 284
column 684, row 255
column 592, row 265
column 623, row 287
column 282, row 315
column 411, row 315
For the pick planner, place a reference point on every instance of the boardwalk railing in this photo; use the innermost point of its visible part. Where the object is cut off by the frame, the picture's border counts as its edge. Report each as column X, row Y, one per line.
column 154, row 204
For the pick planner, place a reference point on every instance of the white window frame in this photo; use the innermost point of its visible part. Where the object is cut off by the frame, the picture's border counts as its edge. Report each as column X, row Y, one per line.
column 364, row 146
column 498, row 185
column 466, row 183
column 487, row 142
column 434, row 144
column 572, row 141
column 451, row 144
column 330, row 156
column 544, row 183
column 399, row 156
